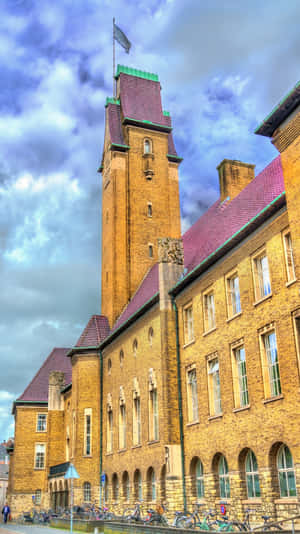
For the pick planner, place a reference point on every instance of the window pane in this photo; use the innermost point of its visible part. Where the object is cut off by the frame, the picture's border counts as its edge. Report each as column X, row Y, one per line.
column 283, row 484
column 291, row 483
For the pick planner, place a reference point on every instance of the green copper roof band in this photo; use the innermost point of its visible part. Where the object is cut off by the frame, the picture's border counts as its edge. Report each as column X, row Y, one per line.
column 166, row 114
column 121, row 146
column 276, row 107
column 171, row 156
column 110, row 100
column 161, row 126
column 137, row 73
column 188, row 275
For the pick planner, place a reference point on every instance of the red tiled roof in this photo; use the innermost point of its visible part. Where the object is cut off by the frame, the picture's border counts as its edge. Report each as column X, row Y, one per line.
column 140, row 100
column 95, row 331
column 37, row 390
column 221, row 221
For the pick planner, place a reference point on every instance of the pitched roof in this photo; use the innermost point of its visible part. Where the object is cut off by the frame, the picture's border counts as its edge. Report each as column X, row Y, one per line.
column 37, row 390
column 95, row 331
column 220, row 223
column 114, row 124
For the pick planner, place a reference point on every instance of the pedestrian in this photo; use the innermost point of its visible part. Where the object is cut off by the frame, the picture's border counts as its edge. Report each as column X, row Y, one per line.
column 5, row 512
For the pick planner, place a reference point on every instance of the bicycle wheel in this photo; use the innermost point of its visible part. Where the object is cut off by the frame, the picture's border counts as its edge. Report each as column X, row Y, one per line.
column 127, row 514
column 272, row 527
column 185, row 521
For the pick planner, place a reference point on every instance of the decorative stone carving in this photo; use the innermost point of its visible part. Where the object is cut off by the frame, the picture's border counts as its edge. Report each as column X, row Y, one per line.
column 56, row 378
column 152, row 380
column 122, row 396
column 109, row 402
column 170, row 250
column 136, row 388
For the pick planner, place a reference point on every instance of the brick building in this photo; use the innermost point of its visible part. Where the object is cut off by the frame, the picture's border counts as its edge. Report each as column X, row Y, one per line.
column 187, row 386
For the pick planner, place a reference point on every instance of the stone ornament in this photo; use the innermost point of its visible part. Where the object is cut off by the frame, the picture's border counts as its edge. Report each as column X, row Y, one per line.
column 170, row 250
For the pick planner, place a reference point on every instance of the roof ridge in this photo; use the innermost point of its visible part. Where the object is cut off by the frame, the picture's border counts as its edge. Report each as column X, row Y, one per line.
column 137, row 73
column 42, row 366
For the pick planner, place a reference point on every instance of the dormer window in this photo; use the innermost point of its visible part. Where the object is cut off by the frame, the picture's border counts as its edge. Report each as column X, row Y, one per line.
column 147, row 146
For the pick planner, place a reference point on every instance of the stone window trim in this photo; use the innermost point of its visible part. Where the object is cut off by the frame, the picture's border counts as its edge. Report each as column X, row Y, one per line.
column 270, row 362
column 213, row 383
column 87, row 447
column 188, row 323
column 39, row 456
column 149, row 210
column 41, row 422
column 261, row 275
column 147, row 146
column 233, row 295
column 209, row 314
column 192, row 394
column 289, row 256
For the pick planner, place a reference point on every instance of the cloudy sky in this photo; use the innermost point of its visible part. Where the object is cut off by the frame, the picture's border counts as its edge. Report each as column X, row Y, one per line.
column 222, row 65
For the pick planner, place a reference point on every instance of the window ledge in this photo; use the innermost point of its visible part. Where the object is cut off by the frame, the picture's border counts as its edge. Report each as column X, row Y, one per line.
column 39, row 468
column 287, row 500
column 122, row 450
column 87, row 456
column 257, row 302
column 233, row 317
column 224, row 500
column 189, row 343
column 253, row 500
column 291, row 282
column 109, row 453
column 192, row 423
column 209, row 331
column 241, row 409
column 138, row 446
column 216, row 416
column 153, row 442
column 272, row 399
column 41, row 431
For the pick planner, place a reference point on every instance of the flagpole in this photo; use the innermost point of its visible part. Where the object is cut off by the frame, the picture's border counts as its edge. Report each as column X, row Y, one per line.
column 114, row 60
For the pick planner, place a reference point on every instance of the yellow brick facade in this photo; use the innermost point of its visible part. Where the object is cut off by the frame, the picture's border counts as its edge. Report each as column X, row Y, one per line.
column 145, row 367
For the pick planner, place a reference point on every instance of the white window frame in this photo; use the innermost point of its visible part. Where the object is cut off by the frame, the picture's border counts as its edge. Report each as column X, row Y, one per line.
column 285, row 471
column 87, row 492
column 87, row 451
column 192, row 394
column 40, row 456
column 38, row 496
column 44, row 416
column 270, row 369
column 289, row 256
column 233, row 294
column 261, row 276
column 214, row 386
column 209, row 313
column 188, row 323
column 239, row 375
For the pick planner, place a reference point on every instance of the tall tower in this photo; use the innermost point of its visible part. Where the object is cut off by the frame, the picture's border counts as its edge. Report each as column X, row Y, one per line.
column 140, row 193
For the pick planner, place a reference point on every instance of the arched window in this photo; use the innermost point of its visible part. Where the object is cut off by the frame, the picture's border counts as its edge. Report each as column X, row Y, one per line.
column 125, row 484
column 87, row 492
column 163, row 493
column 109, row 366
column 147, row 146
column 151, row 484
column 137, row 480
column 106, row 489
column 134, row 347
column 199, row 479
column 121, row 356
column 115, row 487
column 224, row 482
column 252, row 479
column 286, row 474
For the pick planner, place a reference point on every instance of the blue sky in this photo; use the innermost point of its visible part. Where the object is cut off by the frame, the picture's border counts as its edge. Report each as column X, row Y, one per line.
column 222, row 67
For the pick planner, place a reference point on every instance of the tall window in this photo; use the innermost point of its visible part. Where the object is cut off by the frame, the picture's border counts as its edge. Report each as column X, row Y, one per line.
column 192, row 395
column 233, row 295
column 286, row 473
column 239, row 372
column 87, row 432
column 136, row 421
column 151, row 483
column 87, row 496
column 122, row 427
column 150, row 250
column 126, row 487
column 252, row 479
column 135, row 347
column 138, row 493
column 153, row 408
column 147, row 146
column 209, row 311
column 109, row 429
column 41, row 422
column 289, row 257
column 188, row 324
column 149, row 209
column 150, row 336
column 223, row 478
column 270, row 360
column 262, row 282
column 199, row 479
column 115, row 487
column 39, row 460
column 214, row 387
column 38, row 496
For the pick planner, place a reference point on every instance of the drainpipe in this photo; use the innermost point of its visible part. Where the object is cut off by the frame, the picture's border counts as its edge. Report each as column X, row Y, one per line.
column 101, row 424
column 180, row 403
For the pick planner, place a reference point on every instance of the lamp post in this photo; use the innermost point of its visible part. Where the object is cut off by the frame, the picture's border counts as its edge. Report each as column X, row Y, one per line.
column 70, row 475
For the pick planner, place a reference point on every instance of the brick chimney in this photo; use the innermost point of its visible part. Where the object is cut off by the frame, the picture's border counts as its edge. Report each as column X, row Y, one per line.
column 170, row 265
column 56, row 383
column 234, row 175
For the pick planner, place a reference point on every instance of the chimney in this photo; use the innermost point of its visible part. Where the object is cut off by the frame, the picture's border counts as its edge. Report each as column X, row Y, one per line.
column 234, row 175
column 170, row 265
column 56, row 383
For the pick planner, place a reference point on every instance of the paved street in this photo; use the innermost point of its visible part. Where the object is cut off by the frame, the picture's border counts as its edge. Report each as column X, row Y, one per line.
column 29, row 529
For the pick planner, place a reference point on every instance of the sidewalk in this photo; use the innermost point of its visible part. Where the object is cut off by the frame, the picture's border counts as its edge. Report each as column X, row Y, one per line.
column 12, row 528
